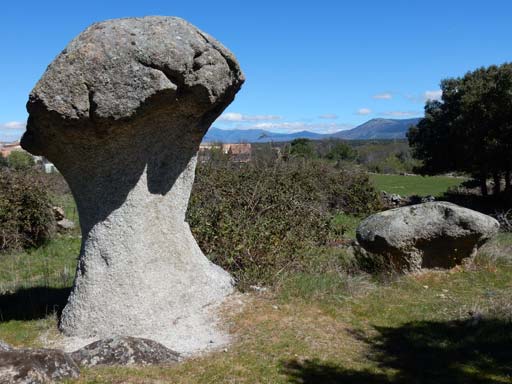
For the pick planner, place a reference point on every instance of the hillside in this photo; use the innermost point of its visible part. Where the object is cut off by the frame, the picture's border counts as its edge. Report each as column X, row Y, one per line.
column 372, row 129
column 254, row 135
column 379, row 129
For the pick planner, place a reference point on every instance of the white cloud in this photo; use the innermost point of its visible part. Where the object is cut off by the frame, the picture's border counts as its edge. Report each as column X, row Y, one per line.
column 401, row 113
column 235, row 117
column 425, row 96
column 273, row 123
column 364, row 111
column 296, row 126
column 328, row 116
column 13, row 125
column 383, row 96
column 433, row 95
column 11, row 130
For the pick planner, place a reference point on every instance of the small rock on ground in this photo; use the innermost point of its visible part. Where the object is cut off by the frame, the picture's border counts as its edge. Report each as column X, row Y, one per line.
column 124, row 351
column 35, row 366
column 4, row 346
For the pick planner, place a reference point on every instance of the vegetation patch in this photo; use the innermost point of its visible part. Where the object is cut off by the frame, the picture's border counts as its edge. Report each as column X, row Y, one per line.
column 410, row 185
column 260, row 222
column 26, row 216
column 435, row 327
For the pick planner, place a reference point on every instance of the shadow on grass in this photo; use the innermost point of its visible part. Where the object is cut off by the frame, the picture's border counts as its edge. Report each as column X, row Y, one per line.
column 485, row 204
column 316, row 372
column 32, row 303
column 424, row 352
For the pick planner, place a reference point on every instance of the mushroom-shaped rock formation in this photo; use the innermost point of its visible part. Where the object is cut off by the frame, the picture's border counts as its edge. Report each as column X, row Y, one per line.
column 121, row 112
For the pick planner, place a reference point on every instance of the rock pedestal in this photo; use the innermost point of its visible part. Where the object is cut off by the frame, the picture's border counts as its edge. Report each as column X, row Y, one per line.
column 121, row 113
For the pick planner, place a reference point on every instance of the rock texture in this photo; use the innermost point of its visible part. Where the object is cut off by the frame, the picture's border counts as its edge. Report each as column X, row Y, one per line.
column 4, row 346
column 429, row 235
column 121, row 112
column 34, row 366
column 124, row 351
column 63, row 224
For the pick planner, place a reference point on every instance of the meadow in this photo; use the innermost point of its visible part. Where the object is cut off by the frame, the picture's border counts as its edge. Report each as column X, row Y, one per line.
column 408, row 185
column 312, row 326
column 436, row 327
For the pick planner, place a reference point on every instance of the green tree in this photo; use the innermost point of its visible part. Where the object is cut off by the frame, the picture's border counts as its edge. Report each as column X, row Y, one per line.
column 20, row 160
column 302, row 148
column 341, row 151
column 470, row 130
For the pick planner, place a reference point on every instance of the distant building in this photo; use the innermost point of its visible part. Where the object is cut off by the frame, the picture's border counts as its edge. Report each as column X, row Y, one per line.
column 239, row 153
column 48, row 167
column 45, row 164
column 7, row 148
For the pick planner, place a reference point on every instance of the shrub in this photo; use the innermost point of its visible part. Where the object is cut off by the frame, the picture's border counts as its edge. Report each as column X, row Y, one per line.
column 341, row 151
column 26, row 217
column 20, row 160
column 302, row 148
column 259, row 221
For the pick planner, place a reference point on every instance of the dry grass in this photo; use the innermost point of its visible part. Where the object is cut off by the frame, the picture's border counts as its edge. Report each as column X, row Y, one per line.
column 364, row 339
column 268, row 334
column 435, row 327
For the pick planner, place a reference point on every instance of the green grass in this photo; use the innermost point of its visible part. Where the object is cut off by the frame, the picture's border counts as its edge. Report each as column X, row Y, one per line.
column 34, row 285
column 345, row 225
column 52, row 265
column 67, row 202
column 414, row 185
column 436, row 327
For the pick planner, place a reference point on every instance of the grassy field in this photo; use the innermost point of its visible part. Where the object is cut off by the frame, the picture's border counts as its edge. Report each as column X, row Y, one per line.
column 33, row 286
column 414, row 185
column 403, row 185
column 435, row 327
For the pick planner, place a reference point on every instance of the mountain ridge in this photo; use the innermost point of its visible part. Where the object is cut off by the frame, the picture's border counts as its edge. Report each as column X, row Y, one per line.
column 376, row 129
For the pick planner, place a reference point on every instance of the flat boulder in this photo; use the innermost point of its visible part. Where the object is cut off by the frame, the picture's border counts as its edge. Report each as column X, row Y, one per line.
column 428, row 235
column 124, row 351
column 34, row 366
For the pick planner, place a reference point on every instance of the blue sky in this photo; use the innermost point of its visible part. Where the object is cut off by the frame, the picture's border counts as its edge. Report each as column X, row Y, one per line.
column 316, row 65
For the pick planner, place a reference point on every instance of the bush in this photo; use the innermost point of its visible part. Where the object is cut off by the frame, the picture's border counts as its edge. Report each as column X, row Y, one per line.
column 304, row 148
column 20, row 160
column 341, row 151
column 26, row 216
column 259, row 221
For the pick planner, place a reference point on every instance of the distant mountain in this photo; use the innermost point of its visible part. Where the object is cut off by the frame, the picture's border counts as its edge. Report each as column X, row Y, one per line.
column 379, row 129
column 372, row 129
column 255, row 136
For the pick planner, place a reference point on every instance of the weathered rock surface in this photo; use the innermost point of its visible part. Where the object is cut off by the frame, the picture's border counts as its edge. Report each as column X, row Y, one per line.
column 58, row 212
column 124, row 351
column 393, row 200
column 121, row 113
column 65, row 225
column 4, row 346
column 429, row 235
column 34, row 366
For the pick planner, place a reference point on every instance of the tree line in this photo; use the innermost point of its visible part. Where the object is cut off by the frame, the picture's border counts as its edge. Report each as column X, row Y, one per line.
column 470, row 129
